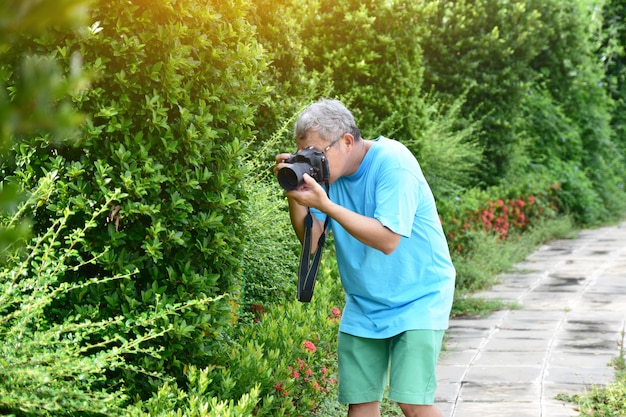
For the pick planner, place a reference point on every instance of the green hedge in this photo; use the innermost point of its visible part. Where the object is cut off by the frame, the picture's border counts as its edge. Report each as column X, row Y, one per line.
column 483, row 49
column 369, row 52
column 613, row 54
column 174, row 91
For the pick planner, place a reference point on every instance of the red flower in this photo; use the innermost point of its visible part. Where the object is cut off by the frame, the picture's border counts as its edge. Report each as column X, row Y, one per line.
column 257, row 308
column 278, row 387
column 308, row 345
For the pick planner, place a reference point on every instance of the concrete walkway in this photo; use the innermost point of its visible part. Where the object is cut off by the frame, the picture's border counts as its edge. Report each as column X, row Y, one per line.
column 570, row 324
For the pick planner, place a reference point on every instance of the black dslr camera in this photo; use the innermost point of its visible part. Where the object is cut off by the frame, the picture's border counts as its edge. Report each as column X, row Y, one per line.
column 307, row 161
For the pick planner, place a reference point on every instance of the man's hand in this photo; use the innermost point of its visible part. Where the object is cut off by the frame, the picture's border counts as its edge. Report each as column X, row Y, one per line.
column 298, row 203
column 280, row 161
column 310, row 194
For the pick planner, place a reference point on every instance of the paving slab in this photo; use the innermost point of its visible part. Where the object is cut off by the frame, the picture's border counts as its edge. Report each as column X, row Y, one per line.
column 567, row 325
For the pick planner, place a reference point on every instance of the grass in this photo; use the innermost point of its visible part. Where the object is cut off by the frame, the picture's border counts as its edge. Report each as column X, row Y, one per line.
column 609, row 401
column 479, row 307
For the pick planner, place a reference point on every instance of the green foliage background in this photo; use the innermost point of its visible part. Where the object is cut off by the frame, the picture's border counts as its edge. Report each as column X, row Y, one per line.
column 145, row 243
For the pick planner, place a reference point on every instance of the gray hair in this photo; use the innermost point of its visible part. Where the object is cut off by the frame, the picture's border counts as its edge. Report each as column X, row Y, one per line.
column 329, row 118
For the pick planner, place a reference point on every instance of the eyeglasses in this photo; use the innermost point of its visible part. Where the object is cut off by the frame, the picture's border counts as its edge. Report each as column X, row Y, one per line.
column 331, row 144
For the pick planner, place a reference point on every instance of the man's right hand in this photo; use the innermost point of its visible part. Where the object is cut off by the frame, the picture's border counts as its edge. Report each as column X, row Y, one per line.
column 280, row 161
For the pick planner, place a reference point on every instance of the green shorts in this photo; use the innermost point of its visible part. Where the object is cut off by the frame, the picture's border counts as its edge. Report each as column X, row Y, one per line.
column 407, row 362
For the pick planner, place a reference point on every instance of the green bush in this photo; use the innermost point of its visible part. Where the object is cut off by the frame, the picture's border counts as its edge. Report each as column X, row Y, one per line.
column 38, row 102
column 54, row 368
column 443, row 142
column 612, row 53
column 483, row 49
column 61, row 368
column 171, row 109
column 368, row 50
column 292, row 86
column 572, row 74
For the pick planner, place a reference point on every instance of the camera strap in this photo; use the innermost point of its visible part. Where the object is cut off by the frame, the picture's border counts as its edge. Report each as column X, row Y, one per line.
column 308, row 273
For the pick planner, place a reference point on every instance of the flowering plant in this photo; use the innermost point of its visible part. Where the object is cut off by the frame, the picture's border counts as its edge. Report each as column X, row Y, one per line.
column 502, row 218
column 310, row 376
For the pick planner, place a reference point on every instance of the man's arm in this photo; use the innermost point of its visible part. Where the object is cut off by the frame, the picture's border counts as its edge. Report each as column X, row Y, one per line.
column 297, row 214
column 366, row 229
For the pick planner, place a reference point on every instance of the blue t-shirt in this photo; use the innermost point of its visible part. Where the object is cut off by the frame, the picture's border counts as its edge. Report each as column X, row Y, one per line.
column 413, row 287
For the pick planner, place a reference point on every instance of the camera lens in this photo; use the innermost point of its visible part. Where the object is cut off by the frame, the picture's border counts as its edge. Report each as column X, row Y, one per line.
column 290, row 177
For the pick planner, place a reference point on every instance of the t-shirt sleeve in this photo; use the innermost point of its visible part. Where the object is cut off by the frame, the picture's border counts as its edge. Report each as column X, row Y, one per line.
column 397, row 192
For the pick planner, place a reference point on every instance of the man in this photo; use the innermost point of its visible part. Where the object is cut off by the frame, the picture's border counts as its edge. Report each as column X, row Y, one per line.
column 392, row 256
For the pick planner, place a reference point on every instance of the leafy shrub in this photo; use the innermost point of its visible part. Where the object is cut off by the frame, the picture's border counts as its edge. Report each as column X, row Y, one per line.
column 369, row 51
column 444, row 142
column 292, row 86
column 573, row 74
column 289, row 351
column 483, row 49
column 171, row 108
column 612, row 53
column 50, row 368
column 60, row 368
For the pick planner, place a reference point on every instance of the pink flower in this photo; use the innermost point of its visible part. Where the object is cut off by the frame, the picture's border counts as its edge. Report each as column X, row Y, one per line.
column 308, row 345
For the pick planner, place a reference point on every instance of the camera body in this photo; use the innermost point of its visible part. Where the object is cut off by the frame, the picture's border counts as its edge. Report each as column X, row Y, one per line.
column 306, row 161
